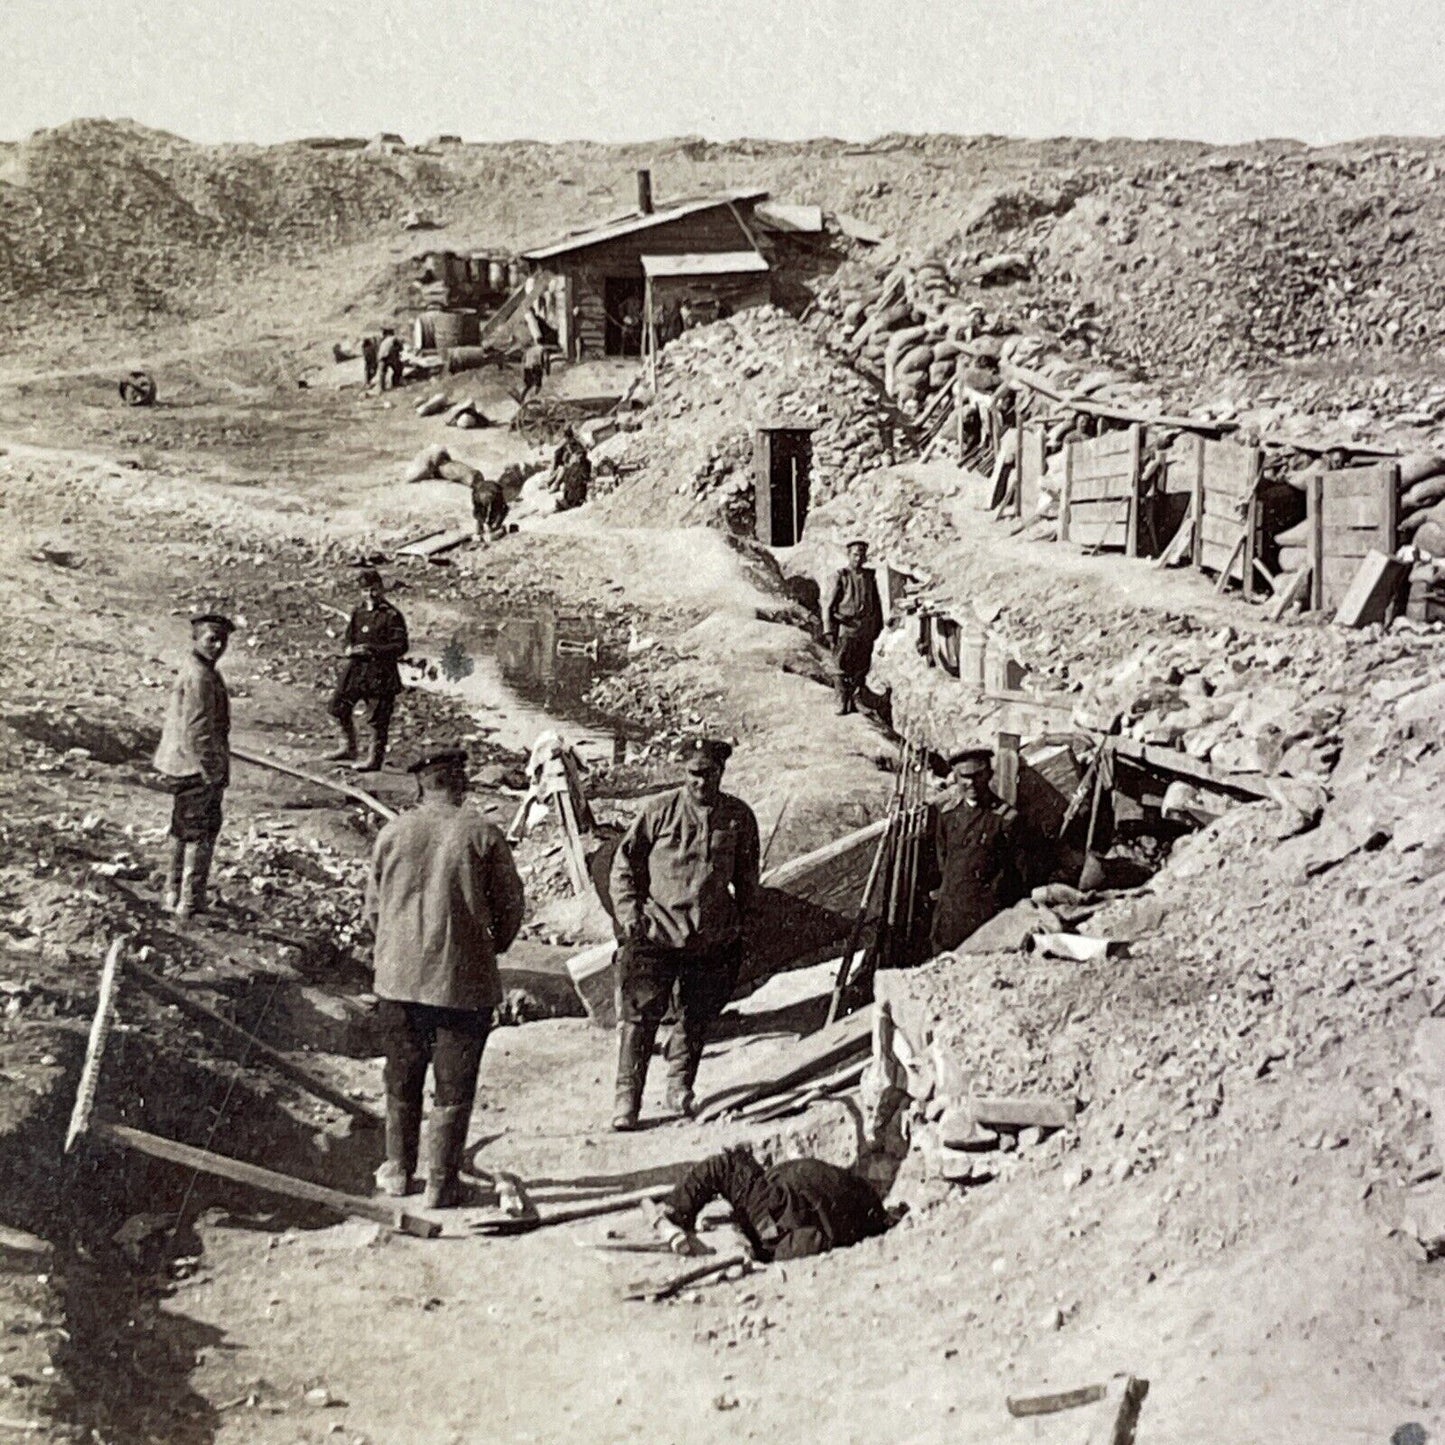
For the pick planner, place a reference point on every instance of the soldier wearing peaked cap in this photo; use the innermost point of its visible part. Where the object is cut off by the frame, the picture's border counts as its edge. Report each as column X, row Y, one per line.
column 982, row 853
column 444, row 899
column 683, row 881
column 852, row 624
column 194, row 757
column 376, row 641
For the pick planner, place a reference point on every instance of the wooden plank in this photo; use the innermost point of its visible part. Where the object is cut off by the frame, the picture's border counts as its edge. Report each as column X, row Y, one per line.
column 1111, row 444
column 1066, row 495
column 1117, row 488
column 165, row 989
column 1022, row 1406
column 1031, row 465
column 1131, row 545
column 222, row 1166
column 1372, row 591
column 1349, row 547
column 1226, row 572
column 1314, row 498
column 1216, row 556
column 1357, row 481
column 358, row 795
column 435, row 546
column 1106, row 534
column 1023, row 1111
column 1197, row 499
column 1095, row 467
column 1353, row 511
column 1222, row 531
column 1171, row 761
column 1117, row 1418
column 1289, row 593
column 1110, row 412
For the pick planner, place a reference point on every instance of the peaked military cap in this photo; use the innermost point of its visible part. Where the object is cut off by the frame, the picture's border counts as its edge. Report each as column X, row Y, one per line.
column 369, row 577
column 711, row 750
column 216, row 619
column 972, row 760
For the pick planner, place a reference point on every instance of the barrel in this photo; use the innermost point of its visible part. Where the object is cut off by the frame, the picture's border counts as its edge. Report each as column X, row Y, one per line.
column 468, row 358
column 454, row 328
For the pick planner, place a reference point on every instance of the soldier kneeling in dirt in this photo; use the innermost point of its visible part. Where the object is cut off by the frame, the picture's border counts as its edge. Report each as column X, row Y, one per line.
column 194, row 756
column 794, row 1209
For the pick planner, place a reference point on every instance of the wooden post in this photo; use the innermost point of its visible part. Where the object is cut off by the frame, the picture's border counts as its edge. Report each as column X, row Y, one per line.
column 1197, row 553
column 1251, row 524
column 1131, row 543
column 1006, row 768
column 165, row 989
column 1390, row 511
column 1315, row 504
column 1066, row 495
column 239, row 1172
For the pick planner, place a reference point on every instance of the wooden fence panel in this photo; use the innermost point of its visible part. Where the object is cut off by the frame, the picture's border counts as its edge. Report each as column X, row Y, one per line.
column 1352, row 512
column 1100, row 502
column 1226, row 510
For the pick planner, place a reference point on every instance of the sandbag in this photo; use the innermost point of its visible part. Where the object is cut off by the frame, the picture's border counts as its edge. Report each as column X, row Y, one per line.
column 904, row 340
column 852, row 312
column 433, row 404
column 1293, row 559
column 458, row 472
column 940, row 374
column 1410, row 526
column 469, row 421
column 1420, row 466
column 1424, row 492
column 1296, row 536
column 1431, row 538
column 914, row 362
column 947, row 349
column 421, row 468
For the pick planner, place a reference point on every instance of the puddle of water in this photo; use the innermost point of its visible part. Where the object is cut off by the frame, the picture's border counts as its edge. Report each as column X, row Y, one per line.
column 522, row 675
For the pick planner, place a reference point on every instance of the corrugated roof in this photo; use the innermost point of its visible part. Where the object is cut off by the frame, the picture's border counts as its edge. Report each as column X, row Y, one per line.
column 710, row 263
column 627, row 225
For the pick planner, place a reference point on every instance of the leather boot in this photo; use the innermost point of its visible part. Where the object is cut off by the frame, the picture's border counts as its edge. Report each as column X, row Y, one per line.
column 194, row 878
column 684, row 1055
column 374, row 759
column 347, row 751
column 175, row 871
column 634, row 1053
column 446, row 1141
column 403, row 1134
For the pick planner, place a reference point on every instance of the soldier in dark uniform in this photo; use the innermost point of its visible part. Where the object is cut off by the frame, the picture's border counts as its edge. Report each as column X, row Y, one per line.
column 852, row 623
column 684, row 879
column 796, row 1208
column 368, row 358
column 376, row 641
column 982, row 863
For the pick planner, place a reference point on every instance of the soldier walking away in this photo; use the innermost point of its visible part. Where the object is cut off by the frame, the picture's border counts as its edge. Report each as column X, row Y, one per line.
column 982, row 854
column 376, row 641
column 194, row 757
column 852, row 623
column 368, row 357
column 388, row 358
column 796, row 1208
column 683, row 881
column 444, row 899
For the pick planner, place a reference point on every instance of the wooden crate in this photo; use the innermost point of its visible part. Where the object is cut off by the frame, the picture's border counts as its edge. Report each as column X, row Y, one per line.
column 1029, row 466
column 1351, row 513
column 1100, row 502
column 1226, row 510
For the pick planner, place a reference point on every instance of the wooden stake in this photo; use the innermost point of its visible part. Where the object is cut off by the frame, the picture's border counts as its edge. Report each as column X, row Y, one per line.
column 95, row 1048
column 678, row 1283
column 165, row 989
column 357, row 795
column 239, row 1172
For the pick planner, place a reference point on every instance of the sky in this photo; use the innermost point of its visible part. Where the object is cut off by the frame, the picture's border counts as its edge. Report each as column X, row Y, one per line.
column 636, row 70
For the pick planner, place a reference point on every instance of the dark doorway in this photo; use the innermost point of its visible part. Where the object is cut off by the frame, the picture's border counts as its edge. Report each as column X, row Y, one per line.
column 782, row 458
column 622, row 298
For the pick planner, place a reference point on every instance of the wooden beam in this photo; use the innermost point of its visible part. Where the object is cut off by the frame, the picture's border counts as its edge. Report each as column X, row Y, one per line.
column 1291, row 594
column 165, row 989
column 1022, row 1111
column 1022, row 1406
column 239, row 1172
column 1118, row 1416
column 357, row 795
column 1170, row 760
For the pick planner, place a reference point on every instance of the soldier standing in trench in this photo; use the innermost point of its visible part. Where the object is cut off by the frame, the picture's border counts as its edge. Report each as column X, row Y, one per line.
column 195, row 758
column 376, row 641
column 683, row 881
column 444, row 899
column 981, row 848
column 852, row 624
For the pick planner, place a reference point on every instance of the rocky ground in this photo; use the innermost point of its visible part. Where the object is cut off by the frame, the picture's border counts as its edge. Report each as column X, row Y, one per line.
column 1237, row 1216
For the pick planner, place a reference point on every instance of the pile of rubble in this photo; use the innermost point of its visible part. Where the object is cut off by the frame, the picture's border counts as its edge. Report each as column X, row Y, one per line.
column 688, row 457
